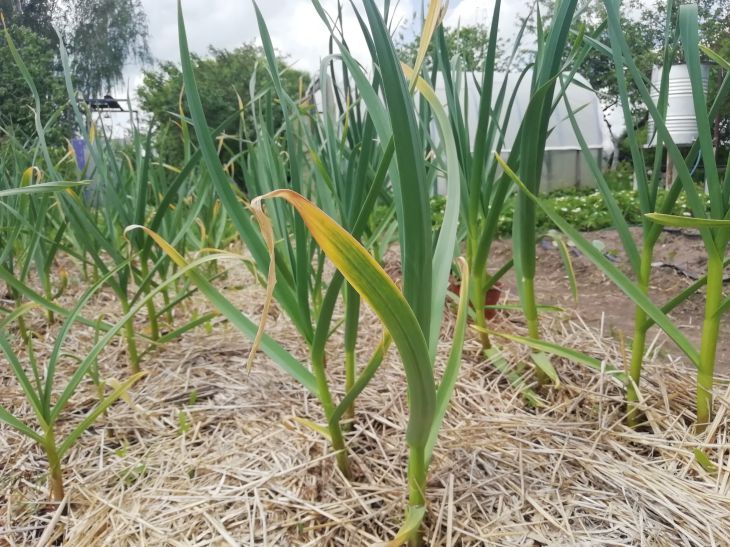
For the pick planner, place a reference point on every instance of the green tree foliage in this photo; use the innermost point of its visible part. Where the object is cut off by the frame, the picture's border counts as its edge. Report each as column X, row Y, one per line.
column 469, row 42
column 101, row 35
column 222, row 77
column 16, row 101
column 33, row 14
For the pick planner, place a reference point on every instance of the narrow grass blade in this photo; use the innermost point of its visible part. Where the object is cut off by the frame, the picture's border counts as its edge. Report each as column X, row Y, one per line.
column 617, row 216
column 684, row 295
column 687, row 222
column 363, row 380
column 562, row 351
column 317, row 428
column 19, row 426
column 91, row 417
column 689, row 34
column 724, row 307
column 542, row 361
column 33, row 296
column 33, row 397
column 172, row 335
column 705, row 462
column 516, row 379
column 15, row 313
column 410, row 526
column 53, row 358
column 716, row 57
column 568, row 263
column 42, row 188
column 436, row 13
column 453, row 364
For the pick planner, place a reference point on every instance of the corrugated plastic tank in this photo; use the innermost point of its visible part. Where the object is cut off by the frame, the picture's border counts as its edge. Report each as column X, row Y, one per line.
column 564, row 165
column 681, row 120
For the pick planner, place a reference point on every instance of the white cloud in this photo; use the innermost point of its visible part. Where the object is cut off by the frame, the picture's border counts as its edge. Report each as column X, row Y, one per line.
column 470, row 12
column 295, row 27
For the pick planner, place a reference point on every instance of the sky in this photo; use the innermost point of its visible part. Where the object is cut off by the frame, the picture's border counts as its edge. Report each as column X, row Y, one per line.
column 296, row 29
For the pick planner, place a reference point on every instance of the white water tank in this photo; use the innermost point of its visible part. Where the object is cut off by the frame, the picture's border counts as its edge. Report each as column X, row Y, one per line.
column 681, row 121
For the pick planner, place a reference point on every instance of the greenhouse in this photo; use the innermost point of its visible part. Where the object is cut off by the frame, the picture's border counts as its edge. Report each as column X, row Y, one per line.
column 564, row 164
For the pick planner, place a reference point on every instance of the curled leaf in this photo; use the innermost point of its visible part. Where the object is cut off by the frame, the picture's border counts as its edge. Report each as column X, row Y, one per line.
column 267, row 231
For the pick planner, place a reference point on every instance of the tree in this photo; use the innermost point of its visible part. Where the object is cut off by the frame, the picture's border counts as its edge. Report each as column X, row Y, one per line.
column 469, row 42
column 222, row 77
column 16, row 100
column 101, row 35
column 36, row 15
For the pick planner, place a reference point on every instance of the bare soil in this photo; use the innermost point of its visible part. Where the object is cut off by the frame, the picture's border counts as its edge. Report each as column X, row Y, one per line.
column 678, row 261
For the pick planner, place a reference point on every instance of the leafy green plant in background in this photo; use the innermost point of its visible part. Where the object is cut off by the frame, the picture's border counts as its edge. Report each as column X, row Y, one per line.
column 584, row 209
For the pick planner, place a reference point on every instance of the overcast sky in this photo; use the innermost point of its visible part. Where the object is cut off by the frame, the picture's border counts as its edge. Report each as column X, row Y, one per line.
column 296, row 29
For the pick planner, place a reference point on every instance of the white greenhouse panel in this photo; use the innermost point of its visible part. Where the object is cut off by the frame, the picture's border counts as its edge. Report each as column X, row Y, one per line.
column 563, row 166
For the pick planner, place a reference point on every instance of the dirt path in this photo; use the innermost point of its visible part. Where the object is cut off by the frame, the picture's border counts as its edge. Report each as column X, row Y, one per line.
column 678, row 260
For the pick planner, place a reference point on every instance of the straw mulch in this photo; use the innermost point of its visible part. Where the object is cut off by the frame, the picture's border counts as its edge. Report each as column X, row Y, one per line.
column 212, row 455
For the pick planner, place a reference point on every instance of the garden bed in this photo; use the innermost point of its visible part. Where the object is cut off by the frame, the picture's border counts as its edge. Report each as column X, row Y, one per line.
column 212, row 455
column 680, row 259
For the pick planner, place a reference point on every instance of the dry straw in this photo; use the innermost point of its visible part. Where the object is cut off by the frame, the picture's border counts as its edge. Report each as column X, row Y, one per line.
column 244, row 472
